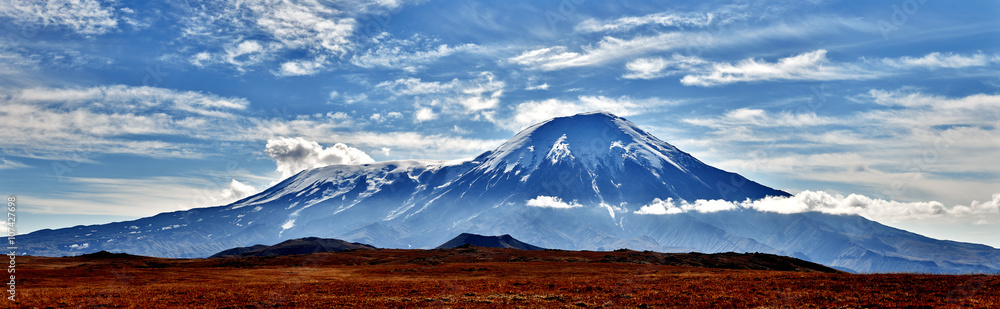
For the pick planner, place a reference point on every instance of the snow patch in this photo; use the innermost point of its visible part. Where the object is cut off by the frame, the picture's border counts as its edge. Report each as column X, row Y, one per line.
column 559, row 150
column 611, row 209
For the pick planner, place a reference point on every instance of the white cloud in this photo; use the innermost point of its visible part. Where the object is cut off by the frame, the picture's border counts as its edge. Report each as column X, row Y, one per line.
column 812, row 65
column 236, row 191
column 939, row 60
column 138, row 197
column 406, row 144
column 551, row 202
column 917, row 99
column 854, row 204
column 313, row 31
column 761, row 118
column 669, row 207
column 668, row 19
column 721, row 16
column 69, row 122
column 532, row 112
column 806, row 66
column 415, row 86
column 660, row 207
column 9, row 164
column 302, row 67
column 544, row 86
column 13, row 62
column 424, row 114
column 650, row 68
column 611, row 48
column 85, row 17
column 646, row 68
column 240, row 54
column 903, row 144
column 292, row 155
column 409, row 55
column 473, row 96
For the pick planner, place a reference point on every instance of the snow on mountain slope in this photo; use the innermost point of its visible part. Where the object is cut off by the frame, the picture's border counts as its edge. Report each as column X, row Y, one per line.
column 596, row 158
column 573, row 182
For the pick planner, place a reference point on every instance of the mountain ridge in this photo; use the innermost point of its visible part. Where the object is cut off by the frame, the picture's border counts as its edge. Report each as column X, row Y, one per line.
column 502, row 241
column 574, row 182
column 307, row 245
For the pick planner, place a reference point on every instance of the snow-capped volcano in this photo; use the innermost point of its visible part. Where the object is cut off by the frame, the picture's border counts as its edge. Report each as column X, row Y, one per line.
column 576, row 182
column 598, row 157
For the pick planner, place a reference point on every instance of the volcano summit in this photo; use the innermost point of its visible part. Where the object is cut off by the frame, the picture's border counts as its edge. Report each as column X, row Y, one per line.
column 577, row 182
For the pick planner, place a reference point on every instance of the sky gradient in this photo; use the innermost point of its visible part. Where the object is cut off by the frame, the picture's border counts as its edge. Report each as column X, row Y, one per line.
column 115, row 110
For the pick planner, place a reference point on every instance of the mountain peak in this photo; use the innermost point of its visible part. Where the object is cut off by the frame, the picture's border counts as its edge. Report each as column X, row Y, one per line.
column 584, row 136
column 596, row 158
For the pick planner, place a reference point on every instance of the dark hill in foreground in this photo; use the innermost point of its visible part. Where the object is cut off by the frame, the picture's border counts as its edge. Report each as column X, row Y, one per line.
column 471, row 255
column 293, row 247
column 502, row 241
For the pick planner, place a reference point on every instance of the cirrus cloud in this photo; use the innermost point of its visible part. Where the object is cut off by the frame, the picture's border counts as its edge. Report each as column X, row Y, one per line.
column 85, row 17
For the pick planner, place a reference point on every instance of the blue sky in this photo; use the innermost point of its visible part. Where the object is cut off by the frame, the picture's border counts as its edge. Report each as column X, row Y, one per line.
column 113, row 110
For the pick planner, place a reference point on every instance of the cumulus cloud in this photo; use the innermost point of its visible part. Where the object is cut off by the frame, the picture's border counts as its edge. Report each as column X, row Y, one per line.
column 854, row 204
column 85, row 17
column 236, row 191
column 669, row 207
column 545, row 201
column 292, row 155
column 424, row 114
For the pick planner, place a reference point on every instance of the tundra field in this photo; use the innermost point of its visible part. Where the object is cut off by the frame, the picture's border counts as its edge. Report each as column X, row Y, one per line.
column 468, row 277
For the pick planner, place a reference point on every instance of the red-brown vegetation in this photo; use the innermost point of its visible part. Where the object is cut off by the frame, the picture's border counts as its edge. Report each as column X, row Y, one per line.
column 476, row 277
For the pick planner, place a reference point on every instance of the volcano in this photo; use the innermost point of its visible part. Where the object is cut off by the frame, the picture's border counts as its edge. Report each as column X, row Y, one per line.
column 576, row 182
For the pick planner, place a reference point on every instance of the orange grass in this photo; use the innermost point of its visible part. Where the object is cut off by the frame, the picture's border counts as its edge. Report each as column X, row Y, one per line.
column 484, row 278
